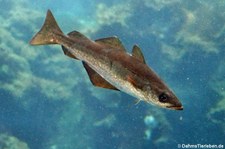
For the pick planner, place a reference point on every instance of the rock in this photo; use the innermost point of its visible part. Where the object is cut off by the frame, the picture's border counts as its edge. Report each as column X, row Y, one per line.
column 11, row 142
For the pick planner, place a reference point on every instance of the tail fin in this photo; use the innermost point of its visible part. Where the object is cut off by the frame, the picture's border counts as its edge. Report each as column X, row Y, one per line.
column 47, row 33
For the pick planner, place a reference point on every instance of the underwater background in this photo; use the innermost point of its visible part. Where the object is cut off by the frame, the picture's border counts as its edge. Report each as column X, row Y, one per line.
column 48, row 102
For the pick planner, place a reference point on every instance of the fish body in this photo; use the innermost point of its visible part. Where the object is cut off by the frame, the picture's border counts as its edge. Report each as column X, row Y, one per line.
column 109, row 65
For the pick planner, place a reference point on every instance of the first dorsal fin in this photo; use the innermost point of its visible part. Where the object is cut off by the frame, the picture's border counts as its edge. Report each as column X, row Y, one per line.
column 77, row 35
column 136, row 52
column 96, row 79
column 111, row 42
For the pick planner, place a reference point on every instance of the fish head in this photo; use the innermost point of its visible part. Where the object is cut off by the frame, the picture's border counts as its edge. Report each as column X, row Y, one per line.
column 168, row 100
column 159, row 94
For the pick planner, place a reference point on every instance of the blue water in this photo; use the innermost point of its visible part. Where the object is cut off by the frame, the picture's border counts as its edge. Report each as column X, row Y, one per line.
column 48, row 102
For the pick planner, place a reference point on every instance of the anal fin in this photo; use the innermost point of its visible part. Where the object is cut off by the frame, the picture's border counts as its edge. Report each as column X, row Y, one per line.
column 96, row 79
column 67, row 52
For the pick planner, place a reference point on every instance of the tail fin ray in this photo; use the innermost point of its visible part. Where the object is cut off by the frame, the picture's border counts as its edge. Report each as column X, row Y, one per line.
column 47, row 33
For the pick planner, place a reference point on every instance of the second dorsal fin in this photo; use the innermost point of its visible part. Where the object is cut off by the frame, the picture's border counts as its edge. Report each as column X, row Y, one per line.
column 136, row 52
column 111, row 42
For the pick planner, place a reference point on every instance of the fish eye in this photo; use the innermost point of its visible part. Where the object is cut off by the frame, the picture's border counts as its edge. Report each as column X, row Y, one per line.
column 163, row 97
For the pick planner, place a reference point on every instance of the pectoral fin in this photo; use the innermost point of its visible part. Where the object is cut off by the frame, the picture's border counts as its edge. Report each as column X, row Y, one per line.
column 134, row 81
column 111, row 42
column 136, row 52
column 96, row 79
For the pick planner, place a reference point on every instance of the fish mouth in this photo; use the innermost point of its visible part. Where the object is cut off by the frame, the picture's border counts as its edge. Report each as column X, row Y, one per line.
column 175, row 107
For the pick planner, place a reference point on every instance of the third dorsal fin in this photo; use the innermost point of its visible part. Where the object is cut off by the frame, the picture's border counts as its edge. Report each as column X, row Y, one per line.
column 136, row 52
column 111, row 42
column 77, row 35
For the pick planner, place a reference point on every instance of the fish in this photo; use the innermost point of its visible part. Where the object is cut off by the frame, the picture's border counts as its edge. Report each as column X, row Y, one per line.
column 108, row 65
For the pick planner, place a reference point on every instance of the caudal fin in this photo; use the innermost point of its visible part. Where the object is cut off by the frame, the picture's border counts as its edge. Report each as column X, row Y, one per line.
column 47, row 34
